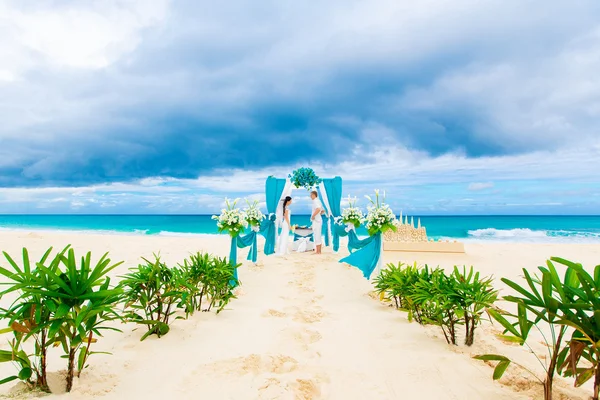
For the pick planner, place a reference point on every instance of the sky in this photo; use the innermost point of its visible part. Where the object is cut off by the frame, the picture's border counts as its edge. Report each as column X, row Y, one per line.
column 158, row 106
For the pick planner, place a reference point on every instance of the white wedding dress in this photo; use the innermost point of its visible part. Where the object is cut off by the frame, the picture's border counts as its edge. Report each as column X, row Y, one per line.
column 284, row 237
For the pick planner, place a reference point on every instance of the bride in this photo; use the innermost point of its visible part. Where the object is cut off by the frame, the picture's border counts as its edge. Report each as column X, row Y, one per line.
column 284, row 237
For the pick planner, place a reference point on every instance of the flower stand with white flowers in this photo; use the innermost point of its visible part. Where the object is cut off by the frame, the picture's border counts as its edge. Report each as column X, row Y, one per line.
column 368, row 257
column 234, row 221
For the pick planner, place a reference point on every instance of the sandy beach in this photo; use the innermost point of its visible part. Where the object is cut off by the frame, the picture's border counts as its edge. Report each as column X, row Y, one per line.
column 303, row 327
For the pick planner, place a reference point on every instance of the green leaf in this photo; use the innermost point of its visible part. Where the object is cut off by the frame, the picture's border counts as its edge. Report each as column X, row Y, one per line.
column 62, row 310
column 584, row 376
column 9, row 379
column 6, row 356
column 500, row 369
column 25, row 374
column 491, row 357
column 504, row 322
column 513, row 339
column 81, row 358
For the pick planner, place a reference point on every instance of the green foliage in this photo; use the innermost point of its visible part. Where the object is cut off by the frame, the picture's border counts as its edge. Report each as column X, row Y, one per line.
column 430, row 296
column 28, row 317
column 544, row 304
column 65, row 303
column 154, row 291
column 151, row 293
column 582, row 313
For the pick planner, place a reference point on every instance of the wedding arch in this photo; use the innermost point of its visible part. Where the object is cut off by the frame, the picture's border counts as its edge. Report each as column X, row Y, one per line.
column 330, row 193
column 365, row 254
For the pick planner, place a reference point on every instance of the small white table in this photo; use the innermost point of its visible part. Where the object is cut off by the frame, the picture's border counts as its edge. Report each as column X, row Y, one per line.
column 303, row 243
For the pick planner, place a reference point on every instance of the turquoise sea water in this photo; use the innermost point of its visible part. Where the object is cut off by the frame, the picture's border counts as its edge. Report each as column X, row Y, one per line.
column 481, row 228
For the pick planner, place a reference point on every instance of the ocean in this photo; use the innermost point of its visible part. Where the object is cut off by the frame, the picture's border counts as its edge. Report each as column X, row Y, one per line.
column 544, row 229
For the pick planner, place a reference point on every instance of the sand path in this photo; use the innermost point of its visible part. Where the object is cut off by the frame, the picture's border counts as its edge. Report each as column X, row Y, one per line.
column 305, row 328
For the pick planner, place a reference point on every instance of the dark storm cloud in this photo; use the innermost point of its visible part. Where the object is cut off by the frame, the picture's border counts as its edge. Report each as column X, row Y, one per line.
column 210, row 87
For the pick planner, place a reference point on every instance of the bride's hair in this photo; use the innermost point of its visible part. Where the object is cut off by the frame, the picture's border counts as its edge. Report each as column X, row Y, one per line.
column 285, row 202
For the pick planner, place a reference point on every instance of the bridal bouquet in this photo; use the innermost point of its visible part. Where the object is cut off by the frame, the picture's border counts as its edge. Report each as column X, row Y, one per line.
column 254, row 216
column 305, row 177
column 352, row 215
column 380, row 217
column 232, row 220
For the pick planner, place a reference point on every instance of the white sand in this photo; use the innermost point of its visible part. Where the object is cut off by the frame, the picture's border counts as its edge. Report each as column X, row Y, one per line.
column 304, row 327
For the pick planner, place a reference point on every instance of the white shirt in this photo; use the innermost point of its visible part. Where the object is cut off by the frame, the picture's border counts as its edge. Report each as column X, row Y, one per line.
column 316, row 203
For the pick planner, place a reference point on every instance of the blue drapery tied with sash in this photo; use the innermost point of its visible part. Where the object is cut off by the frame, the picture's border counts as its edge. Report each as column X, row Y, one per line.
column 367, row 254
column 353, row 241
column 333, row 188
column 267, row 229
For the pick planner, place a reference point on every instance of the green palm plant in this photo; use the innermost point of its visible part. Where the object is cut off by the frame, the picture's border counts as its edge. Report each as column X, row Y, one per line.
column 82, row 302
column 435, row 297
column 220, row 282
column 538, row 303
column 28, row 317
column 70, row 303
column 195, row 270
column 582, row 313
column 152, row 292
column 473, row 295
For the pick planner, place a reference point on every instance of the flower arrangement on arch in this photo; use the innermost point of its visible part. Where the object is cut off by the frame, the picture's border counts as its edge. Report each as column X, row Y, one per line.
column 352, row 214
column 253, row 214
column 231, row 220
column 305, row 177
column 380, row 217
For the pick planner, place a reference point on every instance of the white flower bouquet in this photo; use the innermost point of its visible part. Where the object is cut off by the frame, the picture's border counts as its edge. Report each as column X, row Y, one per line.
column 232, row 220
column 380, row 217
column 254, row 216
column 352, row 215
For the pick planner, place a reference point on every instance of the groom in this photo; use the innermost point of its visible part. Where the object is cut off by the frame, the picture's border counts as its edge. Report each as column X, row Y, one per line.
column 317, row 221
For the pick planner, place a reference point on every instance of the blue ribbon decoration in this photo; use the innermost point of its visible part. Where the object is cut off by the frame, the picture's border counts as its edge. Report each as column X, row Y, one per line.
column 367, row 254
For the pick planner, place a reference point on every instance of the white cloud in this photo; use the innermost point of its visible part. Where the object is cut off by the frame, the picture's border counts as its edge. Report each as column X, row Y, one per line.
column 476, row 186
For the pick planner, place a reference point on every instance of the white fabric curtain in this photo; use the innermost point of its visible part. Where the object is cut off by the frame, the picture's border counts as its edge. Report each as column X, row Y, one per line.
column 325, row 200
column 287, row 191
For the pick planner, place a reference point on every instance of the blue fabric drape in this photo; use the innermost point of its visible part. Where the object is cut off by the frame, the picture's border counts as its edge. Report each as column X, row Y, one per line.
column 267, row 229
column 233, row 258
column 354, row 242
column 249, row 240
column 296, row 237
column 367, row 256
column 273, row 191
column 333, row 188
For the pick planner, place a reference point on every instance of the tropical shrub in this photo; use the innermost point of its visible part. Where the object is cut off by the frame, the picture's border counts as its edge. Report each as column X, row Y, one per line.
column 154, row 292
column 582, row 355
column 209, row 280
column 540, row 304
column 433, row 297
column 70, row 302
column 28, row 318
column 473, row 295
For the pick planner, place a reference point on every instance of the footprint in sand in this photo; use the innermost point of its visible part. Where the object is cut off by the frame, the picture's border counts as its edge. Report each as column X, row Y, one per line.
column 274, row 313
column 296, row 389
column 309, row 316
column 306, row 389
column 306, row 336
column 255, row 364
